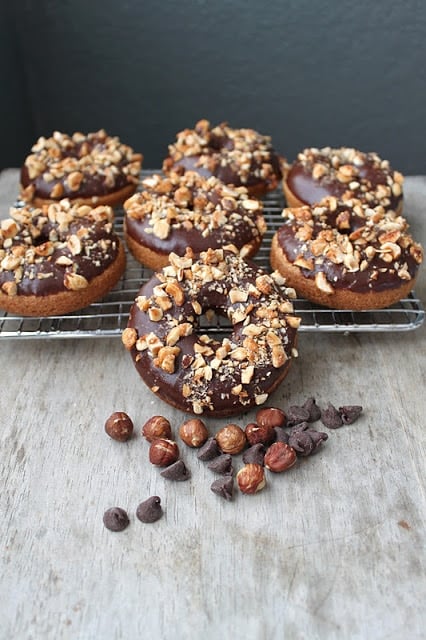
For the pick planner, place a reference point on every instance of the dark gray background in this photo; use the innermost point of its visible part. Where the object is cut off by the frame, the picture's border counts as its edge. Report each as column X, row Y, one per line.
column 307, row 73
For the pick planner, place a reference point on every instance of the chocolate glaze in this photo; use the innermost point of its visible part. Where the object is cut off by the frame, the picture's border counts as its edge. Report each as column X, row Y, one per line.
column 94, row 182
column 310, row 190
column 44, row 276
column 212, row 295
column 241, row 227
column 91, row 185
column 384, row 274
column 228, row 173
column 241, row 157
column 178, row 241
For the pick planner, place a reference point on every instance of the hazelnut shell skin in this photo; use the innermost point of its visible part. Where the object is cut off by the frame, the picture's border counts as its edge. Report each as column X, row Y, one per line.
column 271, row 416
column 259, row 434
column 231, row 439
column 279, row 457
column 157, row 427
column 251, row 478
column 193, row 433
column 119, row 426
column 163, row 452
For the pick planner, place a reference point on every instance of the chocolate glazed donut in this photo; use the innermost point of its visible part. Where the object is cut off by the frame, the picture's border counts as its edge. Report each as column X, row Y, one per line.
column 239, row 157
column 57, row 259
column 88, row 169
column 197, row 373
column 346, row 255
column 344, row 173
column 176, row 212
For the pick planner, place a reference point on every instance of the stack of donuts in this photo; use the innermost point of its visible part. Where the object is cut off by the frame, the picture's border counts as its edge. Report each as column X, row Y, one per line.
column 343, row 243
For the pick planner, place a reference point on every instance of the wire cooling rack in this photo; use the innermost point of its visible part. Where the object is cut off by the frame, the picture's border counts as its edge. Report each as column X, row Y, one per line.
column 108, row 317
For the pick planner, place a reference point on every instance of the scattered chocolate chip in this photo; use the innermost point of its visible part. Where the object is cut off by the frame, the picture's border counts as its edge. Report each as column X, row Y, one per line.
column 177, row 471
column 224, row 487
column 297, row 414
column 330, row 417
column 222, row 464
column 150, row 510
column 116, row 519
column 350, row 413
column 209, row 450
column 255, row 453
column 281, row 435
column 305, row 440
column 313, row 408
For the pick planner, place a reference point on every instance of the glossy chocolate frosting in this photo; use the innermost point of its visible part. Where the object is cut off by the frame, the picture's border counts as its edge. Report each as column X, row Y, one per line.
column 79, row 166
column 210, row 376
column 42, row 250
column 344, row 173
column 371, row 251
column 241, row 157
column 173, row 213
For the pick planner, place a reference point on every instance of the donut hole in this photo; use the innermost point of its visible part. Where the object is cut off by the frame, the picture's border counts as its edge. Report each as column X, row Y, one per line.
column 214, row 323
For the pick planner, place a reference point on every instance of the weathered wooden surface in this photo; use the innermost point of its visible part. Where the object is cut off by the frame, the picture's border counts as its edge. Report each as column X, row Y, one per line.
column 331, row 549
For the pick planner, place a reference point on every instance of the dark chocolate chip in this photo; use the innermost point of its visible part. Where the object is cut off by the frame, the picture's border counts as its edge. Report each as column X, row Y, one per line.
column 254, row 454
column 281, row 435
column 330, row 417
column 222, row 464
column 305, row 440
column 297, row 414
column 224, row 487
column 150, row 510
column 350, row 413
column 313, row 408
column 209, row 450
column 177, row 471
column 116, row 519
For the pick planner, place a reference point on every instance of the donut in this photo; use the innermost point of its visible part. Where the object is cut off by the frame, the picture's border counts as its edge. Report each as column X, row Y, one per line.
column 344, row 173
column 241, row 157
column 346, row 255
column 179, row 211
column 195, row 372
column 89, row 169
column 58, row 258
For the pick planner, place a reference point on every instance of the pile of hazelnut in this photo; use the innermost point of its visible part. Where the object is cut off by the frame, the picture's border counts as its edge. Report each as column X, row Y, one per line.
column 274, row 442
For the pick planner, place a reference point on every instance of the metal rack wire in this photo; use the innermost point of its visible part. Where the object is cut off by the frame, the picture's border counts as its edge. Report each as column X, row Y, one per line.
column 108, row 317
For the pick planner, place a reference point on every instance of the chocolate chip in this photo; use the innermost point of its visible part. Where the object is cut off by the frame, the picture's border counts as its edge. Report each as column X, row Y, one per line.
column 116, row 519
column 177, row 471
column 350, row 413
column 224, row 487
column 150, row 510
column 281, row 435
column 222, row 464
column 209, row 450
column 254, row 454
column 313, row 408
column 305, row 440
column 297, row 414
column 330, row 417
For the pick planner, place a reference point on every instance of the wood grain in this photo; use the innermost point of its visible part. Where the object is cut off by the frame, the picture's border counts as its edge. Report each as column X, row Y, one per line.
column 333, row 548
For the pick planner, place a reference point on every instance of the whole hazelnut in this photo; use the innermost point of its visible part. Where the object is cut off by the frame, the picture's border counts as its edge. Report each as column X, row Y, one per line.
column 163, row 452
column 271, row 417
column 119, row 426
column 231, row 439
column 259, row 433
column 251, row 478
column 193, row 432
column 279, row 457
column 157, row 427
